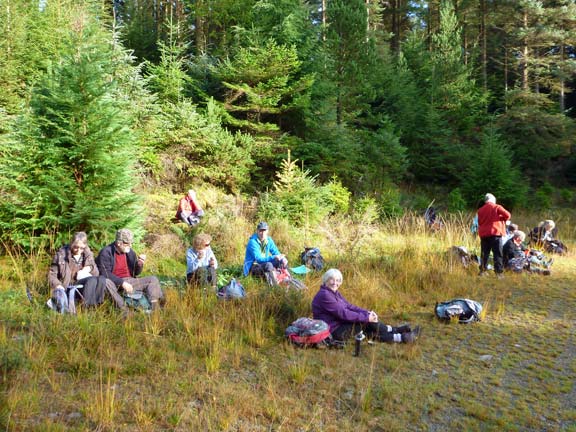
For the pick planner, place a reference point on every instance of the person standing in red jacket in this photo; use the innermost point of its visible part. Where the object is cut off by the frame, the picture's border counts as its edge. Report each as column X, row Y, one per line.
column 491, row 227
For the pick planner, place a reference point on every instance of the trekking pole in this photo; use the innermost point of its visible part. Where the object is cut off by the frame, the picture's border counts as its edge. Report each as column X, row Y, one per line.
column 360, row 336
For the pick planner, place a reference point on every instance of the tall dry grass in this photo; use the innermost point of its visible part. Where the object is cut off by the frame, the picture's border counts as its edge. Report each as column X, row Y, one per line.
column 205, row 364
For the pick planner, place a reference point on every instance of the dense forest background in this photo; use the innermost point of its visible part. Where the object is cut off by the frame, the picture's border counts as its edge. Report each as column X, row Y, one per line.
column 393, row 102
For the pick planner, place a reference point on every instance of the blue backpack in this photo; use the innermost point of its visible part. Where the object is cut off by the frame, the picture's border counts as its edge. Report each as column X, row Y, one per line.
column 312, row 258
column 465, row 310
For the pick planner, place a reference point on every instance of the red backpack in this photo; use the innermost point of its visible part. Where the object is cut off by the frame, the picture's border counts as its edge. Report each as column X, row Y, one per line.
column 306, row 332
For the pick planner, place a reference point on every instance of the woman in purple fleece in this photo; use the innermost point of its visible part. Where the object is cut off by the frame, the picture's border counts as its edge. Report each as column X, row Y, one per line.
column 346, row 319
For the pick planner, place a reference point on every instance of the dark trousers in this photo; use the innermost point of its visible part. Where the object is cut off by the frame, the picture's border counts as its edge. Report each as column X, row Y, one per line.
column 203, row 276
column 377, row 331
column 491, row 244
column 266, row 270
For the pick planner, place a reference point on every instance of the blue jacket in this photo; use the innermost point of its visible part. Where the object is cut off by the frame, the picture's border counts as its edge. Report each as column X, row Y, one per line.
column 332, row 308
column 254, row 252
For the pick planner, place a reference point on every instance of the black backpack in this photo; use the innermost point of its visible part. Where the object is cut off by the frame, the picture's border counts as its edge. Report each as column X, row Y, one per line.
column 465, row 310
column 312, row 258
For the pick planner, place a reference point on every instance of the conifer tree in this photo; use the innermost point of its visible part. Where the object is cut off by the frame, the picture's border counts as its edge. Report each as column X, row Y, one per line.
column 69, row 163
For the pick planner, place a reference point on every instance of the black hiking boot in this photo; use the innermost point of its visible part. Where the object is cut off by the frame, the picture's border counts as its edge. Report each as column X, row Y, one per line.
column 402, row 328
column 412, row 336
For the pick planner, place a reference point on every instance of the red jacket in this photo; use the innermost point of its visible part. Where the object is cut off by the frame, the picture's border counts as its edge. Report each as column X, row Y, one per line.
column 188, row 204
column 492, row 220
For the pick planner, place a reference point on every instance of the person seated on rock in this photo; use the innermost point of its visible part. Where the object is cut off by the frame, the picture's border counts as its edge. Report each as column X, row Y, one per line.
column 518, row 258
column 201, row 264
column 262, row 257
column 346, row 319
column 119, row 263
column 189, row 209
column 74, row 265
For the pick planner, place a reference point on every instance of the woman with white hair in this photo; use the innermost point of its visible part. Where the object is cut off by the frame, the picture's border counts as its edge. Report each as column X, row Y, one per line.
column 346, row 319
column 544, row 236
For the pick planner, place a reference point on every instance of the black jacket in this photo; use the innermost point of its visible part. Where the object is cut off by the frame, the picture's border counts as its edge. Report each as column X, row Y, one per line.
column 106, row 261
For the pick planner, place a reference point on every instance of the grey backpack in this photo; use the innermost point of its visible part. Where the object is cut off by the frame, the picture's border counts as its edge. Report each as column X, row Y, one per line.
column 465, row 310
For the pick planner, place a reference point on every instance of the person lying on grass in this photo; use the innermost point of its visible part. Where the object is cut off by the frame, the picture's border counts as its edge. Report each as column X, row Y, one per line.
column 346, row 319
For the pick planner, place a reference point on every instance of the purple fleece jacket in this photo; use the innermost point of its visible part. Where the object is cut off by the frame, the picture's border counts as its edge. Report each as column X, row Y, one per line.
column 334, row 309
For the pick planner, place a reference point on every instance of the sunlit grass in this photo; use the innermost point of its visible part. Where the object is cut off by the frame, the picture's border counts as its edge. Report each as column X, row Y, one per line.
column 206, row 364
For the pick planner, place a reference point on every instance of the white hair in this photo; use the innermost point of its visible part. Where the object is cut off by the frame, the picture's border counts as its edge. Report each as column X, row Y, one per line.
column 490, row 198
column 331, row 274
column 519, row 234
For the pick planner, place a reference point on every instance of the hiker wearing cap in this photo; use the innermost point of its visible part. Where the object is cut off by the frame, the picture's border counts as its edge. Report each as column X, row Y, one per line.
column 491, row 227
column 119, row 263
column 74, row 265
column 262, row 256
column 346, row 319
column 201, row 263
column 189, row 210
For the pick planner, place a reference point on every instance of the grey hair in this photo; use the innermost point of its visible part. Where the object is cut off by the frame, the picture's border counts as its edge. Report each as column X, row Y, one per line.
column 79, row 237
column 519, row 234
column 549, row 224
column 331, row 274
column 490, row 198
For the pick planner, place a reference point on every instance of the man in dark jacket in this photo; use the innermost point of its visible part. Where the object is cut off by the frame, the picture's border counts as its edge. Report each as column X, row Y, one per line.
column 119, row 263
column 491, row 227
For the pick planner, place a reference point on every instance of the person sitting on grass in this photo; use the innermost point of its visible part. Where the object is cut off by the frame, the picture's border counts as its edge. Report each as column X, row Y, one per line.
column 189, row 210
column 346, row 319
column 262, row 256
column 119, row 263
column 544, row 236
column 74, row 264
column 518, row 258
column 201, row 263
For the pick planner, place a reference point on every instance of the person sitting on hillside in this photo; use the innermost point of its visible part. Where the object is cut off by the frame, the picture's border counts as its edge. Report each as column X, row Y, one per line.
column 189, row 210
column 544, row 236
column 262, row 256
column 119, row 263
column 346, row 319
column 74, row 265
column 201, row 263
column 518, row 258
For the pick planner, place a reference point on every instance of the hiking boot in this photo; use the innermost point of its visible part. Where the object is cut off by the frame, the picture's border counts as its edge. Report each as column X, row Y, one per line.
column 546, row 272
column 402, row 328
column 411, row 336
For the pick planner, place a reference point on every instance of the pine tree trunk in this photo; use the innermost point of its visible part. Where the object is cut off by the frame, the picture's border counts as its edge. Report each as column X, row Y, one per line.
column 525, row 53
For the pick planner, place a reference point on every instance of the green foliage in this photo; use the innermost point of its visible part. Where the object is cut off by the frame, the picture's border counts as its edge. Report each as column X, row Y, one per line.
column 389, row 202
column 365, row 211
column 536, row 136
column 262, row 83
column 196, row 145
column 491, row 170
column 297, row 197
column 456, row 201
column 68, row 164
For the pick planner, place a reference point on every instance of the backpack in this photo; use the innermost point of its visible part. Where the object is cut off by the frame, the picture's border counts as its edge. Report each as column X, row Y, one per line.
column 232, row 290
column 308, row 332
column 311, row 257
column 466, row 310
column 285, row 279
column 137, row 300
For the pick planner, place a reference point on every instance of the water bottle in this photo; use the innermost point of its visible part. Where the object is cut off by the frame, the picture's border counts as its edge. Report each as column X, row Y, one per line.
column 358, row 340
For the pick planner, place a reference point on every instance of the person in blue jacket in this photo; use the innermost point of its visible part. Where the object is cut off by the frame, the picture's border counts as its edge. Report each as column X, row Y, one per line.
column 262, row 256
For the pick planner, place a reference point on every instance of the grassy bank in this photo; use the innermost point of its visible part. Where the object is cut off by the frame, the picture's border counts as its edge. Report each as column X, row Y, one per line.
column 203, row 364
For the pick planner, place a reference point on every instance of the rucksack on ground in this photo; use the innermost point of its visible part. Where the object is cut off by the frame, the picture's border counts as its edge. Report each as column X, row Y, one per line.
column 286, row 280
column 232, row 290
column 308, row 332
column 137, row 300
column 312, row 258
column 465, row 310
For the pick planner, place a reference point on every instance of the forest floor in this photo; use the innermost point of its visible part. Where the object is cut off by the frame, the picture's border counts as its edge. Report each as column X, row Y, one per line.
column 207, row 365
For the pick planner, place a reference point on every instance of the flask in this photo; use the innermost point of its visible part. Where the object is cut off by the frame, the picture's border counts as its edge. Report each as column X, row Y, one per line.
column 358, row 340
